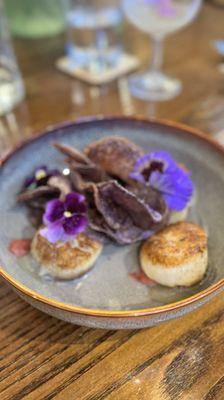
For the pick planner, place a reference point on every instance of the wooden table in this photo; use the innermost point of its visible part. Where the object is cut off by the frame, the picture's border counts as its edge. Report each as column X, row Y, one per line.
column 43, row 358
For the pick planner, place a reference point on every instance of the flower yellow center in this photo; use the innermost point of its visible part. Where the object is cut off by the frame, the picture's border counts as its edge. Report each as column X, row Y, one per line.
column 67, row 214
column 40, row 174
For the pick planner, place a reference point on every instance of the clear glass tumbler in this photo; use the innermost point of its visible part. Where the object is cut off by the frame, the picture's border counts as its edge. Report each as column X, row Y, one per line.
column 36, row 18
column 11, row 84
column 94, row 27
column 158, row 18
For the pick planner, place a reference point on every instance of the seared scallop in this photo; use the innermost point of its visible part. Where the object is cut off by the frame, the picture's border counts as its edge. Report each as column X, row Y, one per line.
column 66, row 260
column 176, row 256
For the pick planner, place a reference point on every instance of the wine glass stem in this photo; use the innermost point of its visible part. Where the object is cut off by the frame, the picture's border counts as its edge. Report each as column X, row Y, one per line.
column 157, row 53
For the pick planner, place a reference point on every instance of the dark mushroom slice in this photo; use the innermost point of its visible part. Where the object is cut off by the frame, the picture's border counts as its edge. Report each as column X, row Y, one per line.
column 73, row 153
column 61, row 183
column 41, row 191
column 89, row 173
column 36, row 200
column 77, row 182
column 82, row 170
column 115, row 155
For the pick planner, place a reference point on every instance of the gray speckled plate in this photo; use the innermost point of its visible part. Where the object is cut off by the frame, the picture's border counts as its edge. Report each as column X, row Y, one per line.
column 108, row 297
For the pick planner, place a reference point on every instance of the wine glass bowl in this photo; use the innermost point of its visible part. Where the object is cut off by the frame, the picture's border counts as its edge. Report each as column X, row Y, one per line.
column 158, row 18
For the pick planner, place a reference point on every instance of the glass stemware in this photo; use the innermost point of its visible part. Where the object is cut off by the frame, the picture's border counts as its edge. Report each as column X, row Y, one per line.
column 158, row 18
column 11, row 84
column 94, row 33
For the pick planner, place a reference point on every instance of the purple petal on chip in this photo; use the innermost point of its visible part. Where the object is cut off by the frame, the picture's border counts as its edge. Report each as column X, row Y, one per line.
column 54, row 211
column 75, row 224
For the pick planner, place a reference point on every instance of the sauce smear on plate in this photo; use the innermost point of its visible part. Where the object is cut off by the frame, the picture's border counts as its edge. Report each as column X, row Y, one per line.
column 142, row 278
column 20, row 247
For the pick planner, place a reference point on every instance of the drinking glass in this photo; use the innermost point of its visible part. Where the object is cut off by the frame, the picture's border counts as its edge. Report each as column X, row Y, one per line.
column 11, row 85
column 158, row 18
column 36, row 18
column 94, row 33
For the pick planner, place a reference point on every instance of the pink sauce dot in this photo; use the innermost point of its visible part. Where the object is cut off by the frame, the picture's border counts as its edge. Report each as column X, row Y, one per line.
column 20, row 247
column 142, row 278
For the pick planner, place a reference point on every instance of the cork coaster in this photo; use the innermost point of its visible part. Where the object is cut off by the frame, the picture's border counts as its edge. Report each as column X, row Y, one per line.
column 127, row 64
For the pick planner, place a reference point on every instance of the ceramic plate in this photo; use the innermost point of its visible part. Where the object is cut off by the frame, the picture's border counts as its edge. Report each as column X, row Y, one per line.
column 108, row 296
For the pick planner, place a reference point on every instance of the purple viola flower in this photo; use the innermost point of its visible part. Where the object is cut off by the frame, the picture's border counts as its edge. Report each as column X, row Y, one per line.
column 40, row 177
column 160, row 171
column 64, row 220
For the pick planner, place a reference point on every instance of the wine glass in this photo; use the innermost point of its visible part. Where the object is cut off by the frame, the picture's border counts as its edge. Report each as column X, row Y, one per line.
column 158, row 18
column 93, row 40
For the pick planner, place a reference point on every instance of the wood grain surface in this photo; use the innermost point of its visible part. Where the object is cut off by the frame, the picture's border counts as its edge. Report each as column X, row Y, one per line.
column 43, row 358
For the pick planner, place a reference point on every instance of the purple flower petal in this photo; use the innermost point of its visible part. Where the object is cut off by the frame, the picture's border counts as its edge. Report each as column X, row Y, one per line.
column 29, row 181
column 156, row 161
column 54, row 211
column 176, row 187
column 64, row 219
column 32, row 179
column 44, row 167
column 75, row 224
column 163, row 157
column 53, row 232
column 75, row 203
column 159, row 170
column 40, row 177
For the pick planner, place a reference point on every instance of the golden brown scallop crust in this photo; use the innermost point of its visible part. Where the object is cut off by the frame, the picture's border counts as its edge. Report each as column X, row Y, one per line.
column 175, row 245
column 66, row 259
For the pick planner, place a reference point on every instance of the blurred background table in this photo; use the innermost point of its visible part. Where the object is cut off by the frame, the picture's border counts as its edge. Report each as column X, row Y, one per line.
column 42, row 358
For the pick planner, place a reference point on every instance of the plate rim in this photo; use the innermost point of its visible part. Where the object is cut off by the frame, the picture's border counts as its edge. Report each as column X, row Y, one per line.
column 150, row 311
